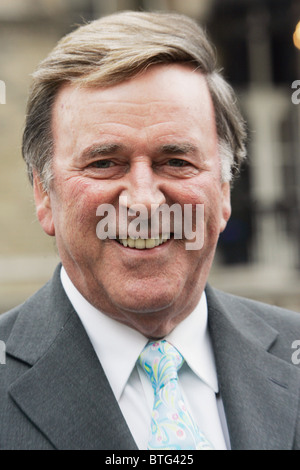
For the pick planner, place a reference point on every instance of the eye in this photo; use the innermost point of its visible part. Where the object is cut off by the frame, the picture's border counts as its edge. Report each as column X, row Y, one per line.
column 177, row 162
column 102, row 164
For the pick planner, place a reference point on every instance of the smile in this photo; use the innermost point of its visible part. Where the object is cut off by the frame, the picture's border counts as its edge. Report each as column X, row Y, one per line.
column 141, row 243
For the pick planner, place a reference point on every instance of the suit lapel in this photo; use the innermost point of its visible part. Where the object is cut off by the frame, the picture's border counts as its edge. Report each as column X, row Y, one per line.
column 260, row 392
column 65, row 393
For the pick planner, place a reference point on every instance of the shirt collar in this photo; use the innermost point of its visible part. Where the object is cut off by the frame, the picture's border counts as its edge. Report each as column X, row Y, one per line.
column 191, row 338
column 120, row 346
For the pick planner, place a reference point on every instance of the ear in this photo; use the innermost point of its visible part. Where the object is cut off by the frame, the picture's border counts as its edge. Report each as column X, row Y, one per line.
column 43, row 206
column 226, row 206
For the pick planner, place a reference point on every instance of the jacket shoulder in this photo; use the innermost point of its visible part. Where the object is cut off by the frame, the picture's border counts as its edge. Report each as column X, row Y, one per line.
column 36, row 308
column 274, row 315
column 8, row 319
column 283, row 321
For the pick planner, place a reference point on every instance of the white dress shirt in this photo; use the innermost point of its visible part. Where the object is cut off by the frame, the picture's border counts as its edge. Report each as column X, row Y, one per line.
column 118, row 348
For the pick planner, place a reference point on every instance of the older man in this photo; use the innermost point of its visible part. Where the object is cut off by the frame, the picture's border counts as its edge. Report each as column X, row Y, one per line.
column 127, row 347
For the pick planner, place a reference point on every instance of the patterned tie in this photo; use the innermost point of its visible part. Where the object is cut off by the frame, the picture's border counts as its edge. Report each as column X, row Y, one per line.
column 172, row 427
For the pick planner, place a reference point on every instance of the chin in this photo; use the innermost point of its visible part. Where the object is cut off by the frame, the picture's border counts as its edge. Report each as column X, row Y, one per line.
column 146, row 294
column 146, row 302
column 154, row 320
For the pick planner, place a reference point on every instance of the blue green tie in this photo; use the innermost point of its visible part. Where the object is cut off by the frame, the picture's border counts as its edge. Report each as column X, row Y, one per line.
column 172, row 427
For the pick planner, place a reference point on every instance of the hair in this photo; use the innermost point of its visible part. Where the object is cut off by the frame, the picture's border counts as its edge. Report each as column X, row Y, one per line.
column 115, row 48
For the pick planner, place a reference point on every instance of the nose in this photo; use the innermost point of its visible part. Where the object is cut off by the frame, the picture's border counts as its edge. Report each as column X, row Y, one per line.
column 143, row 188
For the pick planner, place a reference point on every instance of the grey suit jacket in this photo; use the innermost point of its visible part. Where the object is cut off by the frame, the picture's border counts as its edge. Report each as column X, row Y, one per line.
column 54, row 393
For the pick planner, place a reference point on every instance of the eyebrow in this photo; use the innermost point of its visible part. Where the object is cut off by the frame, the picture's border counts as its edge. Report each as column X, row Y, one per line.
column 102, row 150
column 177, row 149
column 108, row 149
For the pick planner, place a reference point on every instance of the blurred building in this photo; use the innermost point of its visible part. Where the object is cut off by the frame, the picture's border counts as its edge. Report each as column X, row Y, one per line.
column 259, row 253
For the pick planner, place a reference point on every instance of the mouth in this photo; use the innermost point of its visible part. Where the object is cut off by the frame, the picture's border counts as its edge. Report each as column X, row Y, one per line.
column 143, row 243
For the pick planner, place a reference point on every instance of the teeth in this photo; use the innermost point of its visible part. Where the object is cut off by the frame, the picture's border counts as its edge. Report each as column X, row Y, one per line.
column 130, row 242
column 142, row 244
column 150, row 243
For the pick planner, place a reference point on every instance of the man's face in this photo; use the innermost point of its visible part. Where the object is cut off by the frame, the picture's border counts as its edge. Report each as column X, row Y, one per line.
column 153, row 140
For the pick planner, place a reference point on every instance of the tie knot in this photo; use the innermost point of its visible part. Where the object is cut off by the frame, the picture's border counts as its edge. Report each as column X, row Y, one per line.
column 161, row 361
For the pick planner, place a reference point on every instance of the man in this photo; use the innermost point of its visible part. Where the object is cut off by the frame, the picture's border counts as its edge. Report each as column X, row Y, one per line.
column 130, row 112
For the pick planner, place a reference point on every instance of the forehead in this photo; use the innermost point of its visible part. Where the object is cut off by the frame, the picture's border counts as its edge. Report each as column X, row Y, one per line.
column 158, row 83
column 172, row 95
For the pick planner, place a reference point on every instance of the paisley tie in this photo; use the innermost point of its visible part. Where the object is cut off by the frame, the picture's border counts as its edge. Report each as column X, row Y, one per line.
column 172, row 427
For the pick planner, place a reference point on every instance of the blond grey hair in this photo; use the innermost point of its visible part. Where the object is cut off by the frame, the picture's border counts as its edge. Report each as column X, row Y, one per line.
column 116, row 48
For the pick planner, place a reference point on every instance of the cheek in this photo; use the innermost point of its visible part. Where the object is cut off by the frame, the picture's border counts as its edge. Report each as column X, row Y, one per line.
column 192, row 193
column 206, row 192
column 209, row 195
column 74, row 208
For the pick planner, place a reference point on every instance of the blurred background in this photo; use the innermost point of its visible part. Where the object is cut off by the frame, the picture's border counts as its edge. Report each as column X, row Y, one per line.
column 258, row 47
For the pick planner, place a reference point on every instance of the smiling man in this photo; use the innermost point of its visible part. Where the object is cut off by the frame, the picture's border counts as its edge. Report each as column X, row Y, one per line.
column 129, row 112
column 133, row 126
